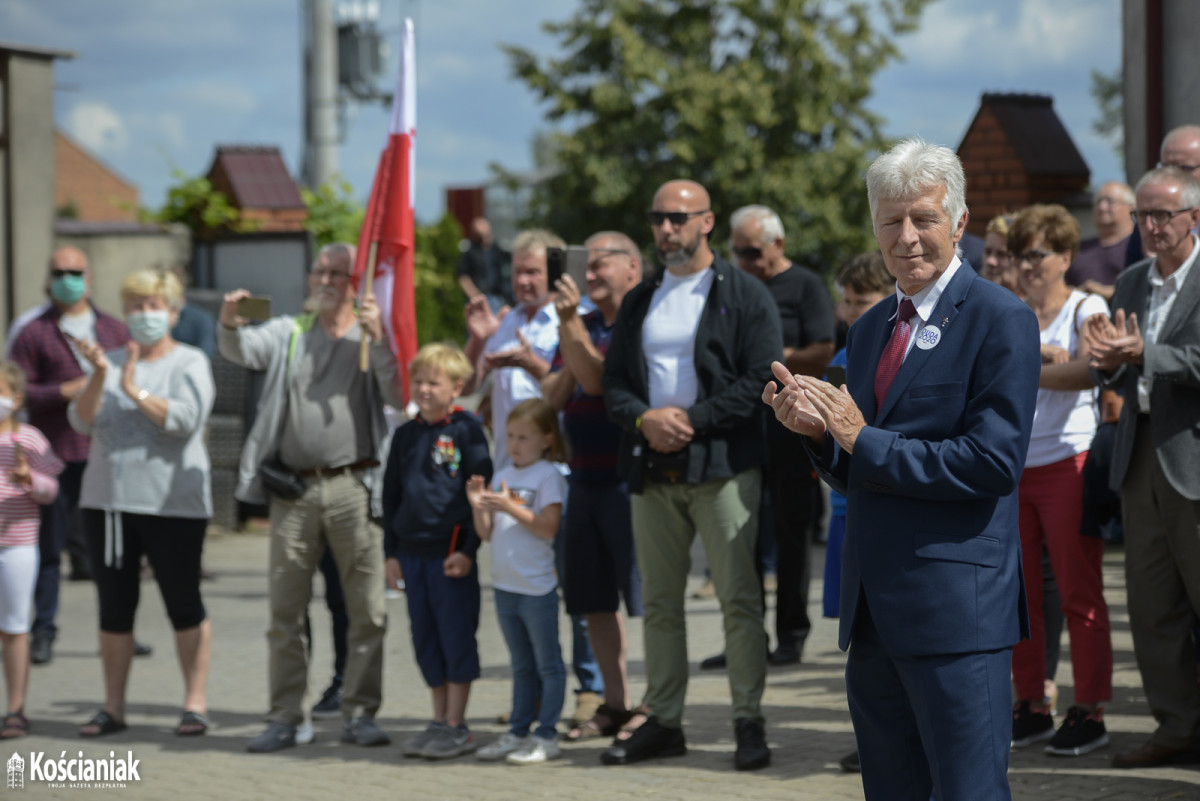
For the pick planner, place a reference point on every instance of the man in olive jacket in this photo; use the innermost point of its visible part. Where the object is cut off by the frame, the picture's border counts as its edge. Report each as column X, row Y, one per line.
column 690, row 350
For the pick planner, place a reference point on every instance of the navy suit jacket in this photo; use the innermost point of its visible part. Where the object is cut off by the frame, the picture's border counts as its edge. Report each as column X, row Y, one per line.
column 932, row 541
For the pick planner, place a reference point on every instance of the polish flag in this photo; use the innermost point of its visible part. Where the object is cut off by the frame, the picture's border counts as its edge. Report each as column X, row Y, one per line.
column 388, row 228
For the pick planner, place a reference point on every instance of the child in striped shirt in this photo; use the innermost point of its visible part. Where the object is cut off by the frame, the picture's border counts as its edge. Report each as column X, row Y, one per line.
column 27, row 478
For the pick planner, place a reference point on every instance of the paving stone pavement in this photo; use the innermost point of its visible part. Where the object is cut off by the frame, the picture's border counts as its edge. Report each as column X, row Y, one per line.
column 808, row 723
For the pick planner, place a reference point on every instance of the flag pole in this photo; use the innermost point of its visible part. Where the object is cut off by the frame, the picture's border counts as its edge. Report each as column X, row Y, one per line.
column 362, row 345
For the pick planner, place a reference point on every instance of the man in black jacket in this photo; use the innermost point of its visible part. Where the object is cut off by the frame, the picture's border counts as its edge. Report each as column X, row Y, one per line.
column 689, row 352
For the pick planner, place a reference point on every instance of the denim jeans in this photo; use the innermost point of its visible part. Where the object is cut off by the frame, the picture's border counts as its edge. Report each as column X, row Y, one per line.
column 530, row 627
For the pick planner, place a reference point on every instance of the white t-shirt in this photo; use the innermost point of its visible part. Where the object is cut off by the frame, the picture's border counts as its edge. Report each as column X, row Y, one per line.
column 523, row 562
column 82, row 326
column 669, row 338
column 511, row 385
column 1064, row 422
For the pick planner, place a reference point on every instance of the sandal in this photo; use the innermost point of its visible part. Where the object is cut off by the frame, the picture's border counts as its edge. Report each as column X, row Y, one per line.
column 15, row 725
column 637, row 718
column 103, row 723
column 606, row 722
column 191, row 724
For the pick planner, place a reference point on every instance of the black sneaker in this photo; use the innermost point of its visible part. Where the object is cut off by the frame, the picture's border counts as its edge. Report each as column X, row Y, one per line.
column 330, row 705
column 1030, row 727
column 648, row 741
column 41, row 648
column 752, row 752
column 1080, row 734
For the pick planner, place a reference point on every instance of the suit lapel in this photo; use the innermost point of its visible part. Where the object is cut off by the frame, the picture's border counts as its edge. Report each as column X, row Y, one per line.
column 944, row 314
column 1184, row 306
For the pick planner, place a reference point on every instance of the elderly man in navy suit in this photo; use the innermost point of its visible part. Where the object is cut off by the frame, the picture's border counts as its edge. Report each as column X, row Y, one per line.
column 927, row 442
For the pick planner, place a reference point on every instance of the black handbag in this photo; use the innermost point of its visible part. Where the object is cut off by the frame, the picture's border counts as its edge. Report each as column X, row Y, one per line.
column 667, row 468
column 279, row 480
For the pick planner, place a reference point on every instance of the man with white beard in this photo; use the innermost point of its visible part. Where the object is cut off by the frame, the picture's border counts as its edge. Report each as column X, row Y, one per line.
column 319, row 427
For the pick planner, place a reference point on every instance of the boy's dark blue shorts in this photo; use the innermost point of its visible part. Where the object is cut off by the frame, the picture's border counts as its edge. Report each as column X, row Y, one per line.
column 444, row 613
column 600, row 567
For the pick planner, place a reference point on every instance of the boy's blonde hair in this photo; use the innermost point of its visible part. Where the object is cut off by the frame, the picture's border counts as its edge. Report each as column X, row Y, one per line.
column 12, row 373
column 545, row 419
column 150, row 282
column 444, row 358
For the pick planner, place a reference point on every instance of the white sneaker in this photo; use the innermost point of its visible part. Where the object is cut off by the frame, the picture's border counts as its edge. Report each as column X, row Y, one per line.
column 538, row 750
column 507, row 744
column 304, row 733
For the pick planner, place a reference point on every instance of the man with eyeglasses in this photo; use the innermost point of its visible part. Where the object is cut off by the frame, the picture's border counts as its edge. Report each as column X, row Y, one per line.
column 597, row 546
column 320, row 419
column 1180, row 148
column 1102, row 258
column 690, row 350
column 49, row 350
column 806, row 317
column 1150, row 352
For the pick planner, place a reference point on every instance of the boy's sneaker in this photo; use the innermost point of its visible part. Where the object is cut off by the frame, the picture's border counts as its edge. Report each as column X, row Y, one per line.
column 330, row 705
column 414, row 745
column 507, row 744
column 1080, row 734
column 449, row 742
column 1030, row 727
column 535, row 752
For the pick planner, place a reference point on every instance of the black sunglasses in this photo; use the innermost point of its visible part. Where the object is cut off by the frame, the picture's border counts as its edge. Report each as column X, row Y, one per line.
column 61, row 273
column 676, row 218
column 748, row 253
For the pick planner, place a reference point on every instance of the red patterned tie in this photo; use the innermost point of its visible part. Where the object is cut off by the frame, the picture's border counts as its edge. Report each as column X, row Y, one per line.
column 893, row 354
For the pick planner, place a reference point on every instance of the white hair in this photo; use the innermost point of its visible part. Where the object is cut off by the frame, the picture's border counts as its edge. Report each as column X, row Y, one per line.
column 771, row 227
column 1189, row 188
column 915, row 166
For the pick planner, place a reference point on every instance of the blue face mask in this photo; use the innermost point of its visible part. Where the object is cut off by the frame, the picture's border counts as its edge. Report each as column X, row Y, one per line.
column 148, row 327
column 68, row 289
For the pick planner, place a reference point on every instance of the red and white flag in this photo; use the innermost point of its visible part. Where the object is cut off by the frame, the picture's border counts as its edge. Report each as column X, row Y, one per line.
column 389, row 223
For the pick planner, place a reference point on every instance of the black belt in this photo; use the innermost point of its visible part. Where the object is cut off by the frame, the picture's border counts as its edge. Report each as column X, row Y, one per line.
column 328, row 472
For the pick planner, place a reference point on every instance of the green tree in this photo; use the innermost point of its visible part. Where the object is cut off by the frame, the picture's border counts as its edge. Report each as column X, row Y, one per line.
column 439, row 299
column 760, row 102
column 193, row 201
column 1109, row 94
column 333, row 214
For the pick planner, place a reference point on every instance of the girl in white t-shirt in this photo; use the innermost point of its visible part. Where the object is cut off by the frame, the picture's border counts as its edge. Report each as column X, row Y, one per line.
column 520, row 517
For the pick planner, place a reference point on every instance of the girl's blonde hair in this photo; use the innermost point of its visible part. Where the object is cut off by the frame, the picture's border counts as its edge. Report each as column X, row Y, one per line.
column 150, row 282
column 12, row 373
column 545, row 419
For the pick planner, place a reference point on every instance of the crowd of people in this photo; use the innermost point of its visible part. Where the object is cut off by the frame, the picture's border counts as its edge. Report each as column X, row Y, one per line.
column 969, row 429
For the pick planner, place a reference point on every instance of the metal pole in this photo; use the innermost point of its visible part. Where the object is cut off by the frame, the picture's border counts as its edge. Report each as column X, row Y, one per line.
column 320, row 102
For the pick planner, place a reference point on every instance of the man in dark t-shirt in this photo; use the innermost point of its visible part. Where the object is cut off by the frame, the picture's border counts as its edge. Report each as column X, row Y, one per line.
column 599, row 565
column 806, row 311
column 1102, row 258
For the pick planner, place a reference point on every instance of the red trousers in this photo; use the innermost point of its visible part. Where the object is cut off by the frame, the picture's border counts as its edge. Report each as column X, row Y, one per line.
column 1051, row 502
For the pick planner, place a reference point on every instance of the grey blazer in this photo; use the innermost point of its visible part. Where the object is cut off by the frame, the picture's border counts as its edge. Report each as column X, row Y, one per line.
column 1172, row 365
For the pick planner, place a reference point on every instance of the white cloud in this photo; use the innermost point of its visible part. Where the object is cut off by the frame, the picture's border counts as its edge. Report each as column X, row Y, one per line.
column 160, row 128
column 99, row 128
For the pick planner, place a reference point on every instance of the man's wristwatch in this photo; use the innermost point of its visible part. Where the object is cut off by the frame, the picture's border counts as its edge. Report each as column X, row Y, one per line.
column 143, row 394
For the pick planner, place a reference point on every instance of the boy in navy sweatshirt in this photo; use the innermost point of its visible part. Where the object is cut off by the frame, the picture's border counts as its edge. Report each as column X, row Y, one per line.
column 430, row 542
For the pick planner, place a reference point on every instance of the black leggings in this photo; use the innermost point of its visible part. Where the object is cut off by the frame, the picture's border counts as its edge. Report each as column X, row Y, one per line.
column 172, row 544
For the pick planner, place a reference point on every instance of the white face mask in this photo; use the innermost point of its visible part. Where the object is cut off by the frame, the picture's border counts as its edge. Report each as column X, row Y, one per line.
column 6, row 407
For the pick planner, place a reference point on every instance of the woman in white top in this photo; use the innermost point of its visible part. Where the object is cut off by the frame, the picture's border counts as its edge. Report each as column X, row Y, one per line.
column 146, row 490
column 1043, row 240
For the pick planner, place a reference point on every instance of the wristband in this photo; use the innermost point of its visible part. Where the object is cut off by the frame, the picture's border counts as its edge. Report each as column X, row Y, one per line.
column 638, row 423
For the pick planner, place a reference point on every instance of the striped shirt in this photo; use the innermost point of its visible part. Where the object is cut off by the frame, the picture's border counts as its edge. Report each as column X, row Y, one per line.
column 19, row 518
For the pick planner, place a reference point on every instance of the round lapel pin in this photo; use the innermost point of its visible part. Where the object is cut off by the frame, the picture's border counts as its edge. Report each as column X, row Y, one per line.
column 929, row 337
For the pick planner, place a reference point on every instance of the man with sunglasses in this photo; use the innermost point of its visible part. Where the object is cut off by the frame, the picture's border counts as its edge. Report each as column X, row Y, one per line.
column 806, row 316
column 49, row 350
column 1148, row 352
column 680, row 379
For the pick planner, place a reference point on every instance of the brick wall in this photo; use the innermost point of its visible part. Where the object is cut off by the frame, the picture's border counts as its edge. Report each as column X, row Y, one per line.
column 95, row 192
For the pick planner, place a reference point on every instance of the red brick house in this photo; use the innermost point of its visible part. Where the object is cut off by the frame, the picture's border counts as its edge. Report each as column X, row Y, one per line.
column 1017, row 152
column 257, row 182
column 87, row 189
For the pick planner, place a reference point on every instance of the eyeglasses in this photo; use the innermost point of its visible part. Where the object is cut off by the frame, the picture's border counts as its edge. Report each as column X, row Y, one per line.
column 1160, row 217
column 1184, row 167
column 332, row 275
column 676, row 218
column 1034, row 257
column 60, row 273
column 748, row 253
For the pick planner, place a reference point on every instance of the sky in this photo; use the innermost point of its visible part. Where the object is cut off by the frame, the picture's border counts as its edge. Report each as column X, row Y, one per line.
column 156, row 86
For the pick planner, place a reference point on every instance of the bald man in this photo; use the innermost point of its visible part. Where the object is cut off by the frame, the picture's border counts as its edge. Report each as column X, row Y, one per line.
column 1180, row 148
column 1102, row 258
column 47, row 349
column 679, row 378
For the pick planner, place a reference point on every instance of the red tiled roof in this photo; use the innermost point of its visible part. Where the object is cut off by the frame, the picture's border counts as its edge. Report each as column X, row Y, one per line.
column 254, row 176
